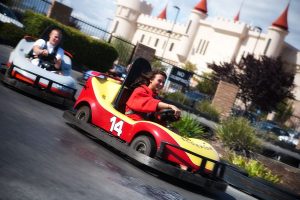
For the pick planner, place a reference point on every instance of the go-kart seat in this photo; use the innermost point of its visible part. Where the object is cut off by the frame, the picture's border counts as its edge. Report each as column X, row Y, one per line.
column 138, row 67
column 25, row 45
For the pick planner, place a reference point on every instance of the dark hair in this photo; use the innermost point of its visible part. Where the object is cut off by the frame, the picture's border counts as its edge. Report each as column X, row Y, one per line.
column 144, row 79
column 57, row 30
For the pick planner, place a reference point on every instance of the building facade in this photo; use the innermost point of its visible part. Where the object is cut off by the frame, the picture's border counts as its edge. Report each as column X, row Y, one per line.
column 202, row 41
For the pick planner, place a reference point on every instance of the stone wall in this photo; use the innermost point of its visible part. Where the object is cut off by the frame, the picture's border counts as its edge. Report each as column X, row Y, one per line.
column 60, row 12
column 224, row 98
column 144, row 52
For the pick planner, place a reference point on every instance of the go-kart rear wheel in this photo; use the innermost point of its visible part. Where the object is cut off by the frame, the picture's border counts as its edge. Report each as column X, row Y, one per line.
column 83, row 114
column 145, row 145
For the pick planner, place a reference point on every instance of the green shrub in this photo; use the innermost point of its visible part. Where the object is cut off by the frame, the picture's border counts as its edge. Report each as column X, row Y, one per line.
column 176, row 97
column 253, row 167
column 96, row 54
column 267, row 136
column 206, row 107
column 10, row 34
column 207, row 84
column 237, row 134
column 35, row 23
column 188, row 126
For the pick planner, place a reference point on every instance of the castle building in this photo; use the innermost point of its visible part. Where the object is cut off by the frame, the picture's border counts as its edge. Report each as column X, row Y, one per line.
column 202, row 41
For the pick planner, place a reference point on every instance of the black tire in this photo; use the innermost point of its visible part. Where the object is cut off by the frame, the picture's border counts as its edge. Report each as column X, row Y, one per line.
column 84, row 114
column 145, row 145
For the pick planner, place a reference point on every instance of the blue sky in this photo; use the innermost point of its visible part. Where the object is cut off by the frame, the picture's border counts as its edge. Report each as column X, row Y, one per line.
column 254, row 12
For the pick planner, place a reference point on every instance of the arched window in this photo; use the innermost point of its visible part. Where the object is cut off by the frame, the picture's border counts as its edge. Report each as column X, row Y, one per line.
column 142, row 38
column 156, row 42
column 198, row 47
column 267, row 46
column 188, row 27
column 171, row 46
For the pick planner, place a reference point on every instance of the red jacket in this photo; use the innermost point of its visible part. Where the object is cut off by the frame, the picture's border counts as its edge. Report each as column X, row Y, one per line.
column 141, row 102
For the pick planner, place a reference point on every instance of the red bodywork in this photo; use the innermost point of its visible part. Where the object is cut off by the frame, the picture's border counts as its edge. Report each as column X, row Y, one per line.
column 103, row 118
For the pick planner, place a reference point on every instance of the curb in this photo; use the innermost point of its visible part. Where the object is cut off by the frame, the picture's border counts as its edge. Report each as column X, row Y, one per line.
column 257, row 187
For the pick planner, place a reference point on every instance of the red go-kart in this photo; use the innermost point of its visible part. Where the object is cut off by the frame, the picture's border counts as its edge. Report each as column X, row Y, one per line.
column 101, row 104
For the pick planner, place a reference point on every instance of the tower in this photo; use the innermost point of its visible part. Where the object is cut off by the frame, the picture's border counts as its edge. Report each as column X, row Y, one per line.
column 276, row 35
column 126, row 15
column 197, row 14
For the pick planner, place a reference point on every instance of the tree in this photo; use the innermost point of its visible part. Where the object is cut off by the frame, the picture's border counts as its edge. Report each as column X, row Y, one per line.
column 207, row 84
column 157, row 65
column 190, row 67
column 124, row 49
column 284, row 111
column 263, row 82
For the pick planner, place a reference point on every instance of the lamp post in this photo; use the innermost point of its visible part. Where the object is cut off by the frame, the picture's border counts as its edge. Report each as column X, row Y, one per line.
column 109, row 20
column 259, row 32
column 171, row 31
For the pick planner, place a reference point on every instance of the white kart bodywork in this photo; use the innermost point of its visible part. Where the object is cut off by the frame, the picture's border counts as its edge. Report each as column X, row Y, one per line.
column 27, row 69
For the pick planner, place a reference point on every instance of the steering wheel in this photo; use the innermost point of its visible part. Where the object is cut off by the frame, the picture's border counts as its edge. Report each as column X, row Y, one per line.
column 47, row 62
column 166, row 115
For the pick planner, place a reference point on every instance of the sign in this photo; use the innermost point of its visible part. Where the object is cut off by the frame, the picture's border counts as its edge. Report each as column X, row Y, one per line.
column 180, row 76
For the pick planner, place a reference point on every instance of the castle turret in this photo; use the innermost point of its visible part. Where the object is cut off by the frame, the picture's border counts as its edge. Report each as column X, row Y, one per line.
column 126, row 15
column 198, row 13
column 276, row 35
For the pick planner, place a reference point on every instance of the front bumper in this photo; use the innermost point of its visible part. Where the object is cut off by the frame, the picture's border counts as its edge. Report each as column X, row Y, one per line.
column 34, row 87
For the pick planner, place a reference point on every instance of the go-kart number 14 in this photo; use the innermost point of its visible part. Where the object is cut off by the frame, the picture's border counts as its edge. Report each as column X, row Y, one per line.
column 116, row 126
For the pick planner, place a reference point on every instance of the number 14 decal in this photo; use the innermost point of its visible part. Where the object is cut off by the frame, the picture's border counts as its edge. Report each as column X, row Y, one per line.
column 116, row 126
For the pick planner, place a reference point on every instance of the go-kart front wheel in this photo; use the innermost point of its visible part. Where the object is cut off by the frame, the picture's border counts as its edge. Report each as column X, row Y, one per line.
column 83, row 114
column 145, row 145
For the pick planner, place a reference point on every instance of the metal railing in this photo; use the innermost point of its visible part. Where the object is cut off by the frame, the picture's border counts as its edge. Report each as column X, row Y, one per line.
column 90, row 29
column 38, row 6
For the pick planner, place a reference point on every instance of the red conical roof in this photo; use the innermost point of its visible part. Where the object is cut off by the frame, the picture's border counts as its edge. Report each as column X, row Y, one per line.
column 237, row 17
column 201, row 6
column 163, row 14
column 282, row 22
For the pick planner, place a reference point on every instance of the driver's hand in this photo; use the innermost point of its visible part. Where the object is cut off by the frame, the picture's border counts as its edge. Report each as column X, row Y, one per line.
column 44, row 52
column 177, row 111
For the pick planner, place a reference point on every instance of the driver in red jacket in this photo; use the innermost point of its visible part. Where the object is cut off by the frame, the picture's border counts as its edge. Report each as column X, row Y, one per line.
column 143, row 101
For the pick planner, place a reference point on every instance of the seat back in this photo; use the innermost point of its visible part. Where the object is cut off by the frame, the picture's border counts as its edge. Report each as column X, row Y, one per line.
column 138, row 67
column 24, row 46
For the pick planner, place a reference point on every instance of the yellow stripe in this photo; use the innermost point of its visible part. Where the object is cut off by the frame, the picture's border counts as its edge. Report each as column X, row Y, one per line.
column 195, row 145
column 106, row 90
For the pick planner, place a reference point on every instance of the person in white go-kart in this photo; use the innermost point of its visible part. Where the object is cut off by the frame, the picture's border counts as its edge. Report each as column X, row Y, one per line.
column 42, row 68
column 48, row 52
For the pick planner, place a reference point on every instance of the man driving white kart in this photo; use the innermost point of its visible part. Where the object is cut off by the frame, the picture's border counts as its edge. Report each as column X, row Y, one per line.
column 48, row 54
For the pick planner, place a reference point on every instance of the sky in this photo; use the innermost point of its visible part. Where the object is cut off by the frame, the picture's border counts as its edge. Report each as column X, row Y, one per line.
column 259, row 13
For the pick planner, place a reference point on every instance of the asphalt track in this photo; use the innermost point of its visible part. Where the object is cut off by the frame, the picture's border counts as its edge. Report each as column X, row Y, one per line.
column 42, row 157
